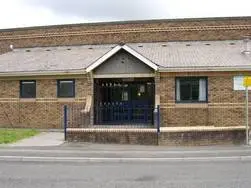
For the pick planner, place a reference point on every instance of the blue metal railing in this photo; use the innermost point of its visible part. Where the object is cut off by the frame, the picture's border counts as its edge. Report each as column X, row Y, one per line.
column 139, row 117
column 123, row 114
column 158, row 119
column 65, row 122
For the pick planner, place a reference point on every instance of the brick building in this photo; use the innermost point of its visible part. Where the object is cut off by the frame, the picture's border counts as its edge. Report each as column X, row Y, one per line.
column 191, row 68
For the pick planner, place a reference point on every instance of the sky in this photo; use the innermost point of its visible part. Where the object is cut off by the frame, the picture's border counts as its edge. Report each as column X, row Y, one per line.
column 24, row 13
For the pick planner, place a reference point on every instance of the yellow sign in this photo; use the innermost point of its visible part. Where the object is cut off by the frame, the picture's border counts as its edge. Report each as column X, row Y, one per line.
column 247, row 81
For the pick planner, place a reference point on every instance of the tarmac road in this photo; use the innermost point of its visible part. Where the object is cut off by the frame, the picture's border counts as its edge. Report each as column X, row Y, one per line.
column 192, row 174
column 125, row 166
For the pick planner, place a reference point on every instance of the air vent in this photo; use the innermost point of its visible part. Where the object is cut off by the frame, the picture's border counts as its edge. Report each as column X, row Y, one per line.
column 90, row 48
column 68, row 48
column 11, row 47
column 164, row 45
column 207, row 44
column 140, row 46
column 188, row 44
column 48, row 50
column 27, row 50
column 246, row 43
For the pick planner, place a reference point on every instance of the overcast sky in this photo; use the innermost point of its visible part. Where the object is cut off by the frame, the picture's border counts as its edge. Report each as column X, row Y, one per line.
column 22, row 13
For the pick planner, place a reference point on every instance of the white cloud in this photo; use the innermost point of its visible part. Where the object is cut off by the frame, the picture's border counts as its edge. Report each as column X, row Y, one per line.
column 16, row 14
column 208, row 8
column 105, row 10
column 20, row 13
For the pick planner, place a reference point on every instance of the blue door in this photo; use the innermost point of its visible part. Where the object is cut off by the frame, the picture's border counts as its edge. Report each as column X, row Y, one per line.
column 124, row 102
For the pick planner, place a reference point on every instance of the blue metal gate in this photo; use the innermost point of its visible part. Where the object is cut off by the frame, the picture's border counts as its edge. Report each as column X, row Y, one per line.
column 124, row 102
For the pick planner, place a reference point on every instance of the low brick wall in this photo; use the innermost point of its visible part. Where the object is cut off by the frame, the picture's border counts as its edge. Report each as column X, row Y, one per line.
column 168, row 138
column 115, row 137
column 202, row 138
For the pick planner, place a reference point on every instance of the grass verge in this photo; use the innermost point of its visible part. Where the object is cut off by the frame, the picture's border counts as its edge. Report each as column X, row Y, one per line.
column 13, row 135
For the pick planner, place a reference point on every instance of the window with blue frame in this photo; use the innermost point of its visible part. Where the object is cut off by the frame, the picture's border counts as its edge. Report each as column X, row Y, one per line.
column 27, row 89
column 191, row 89
column 66, row 88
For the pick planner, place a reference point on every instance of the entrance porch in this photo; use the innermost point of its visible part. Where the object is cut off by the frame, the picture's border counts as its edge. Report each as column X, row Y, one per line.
column 124, row 101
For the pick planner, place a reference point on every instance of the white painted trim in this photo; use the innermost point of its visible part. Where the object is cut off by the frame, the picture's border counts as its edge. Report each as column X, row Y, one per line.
column 114, row 128
column 123, row 75
column 114, row 51
column 200, row 128
column 103, row 58
column 140, row 57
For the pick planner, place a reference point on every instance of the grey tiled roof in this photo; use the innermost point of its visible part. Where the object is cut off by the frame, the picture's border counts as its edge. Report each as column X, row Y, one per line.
column 167, row 55
column 195, row 54
column 41, row 59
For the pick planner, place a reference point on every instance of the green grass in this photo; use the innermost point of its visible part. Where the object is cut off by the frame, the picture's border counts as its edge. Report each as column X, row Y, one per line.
column 13, row 135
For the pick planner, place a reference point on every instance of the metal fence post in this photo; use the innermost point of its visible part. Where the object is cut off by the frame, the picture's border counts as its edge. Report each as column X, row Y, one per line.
column 158, row 119
column 65, row 122
column 247, row 125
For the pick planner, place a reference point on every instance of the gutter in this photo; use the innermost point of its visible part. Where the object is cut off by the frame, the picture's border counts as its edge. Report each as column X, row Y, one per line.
column 38, row 73
column 161, row 69
column 204, row 69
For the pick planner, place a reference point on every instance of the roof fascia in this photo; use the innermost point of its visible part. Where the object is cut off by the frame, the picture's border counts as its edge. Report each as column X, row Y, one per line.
column 103, row 58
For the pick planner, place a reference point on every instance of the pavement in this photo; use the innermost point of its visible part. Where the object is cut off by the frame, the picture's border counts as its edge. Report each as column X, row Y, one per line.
column 42, row 139
column 86, row 152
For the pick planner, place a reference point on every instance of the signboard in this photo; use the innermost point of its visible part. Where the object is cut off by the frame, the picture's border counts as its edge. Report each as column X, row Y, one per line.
column 247, row 81
column 238, row 83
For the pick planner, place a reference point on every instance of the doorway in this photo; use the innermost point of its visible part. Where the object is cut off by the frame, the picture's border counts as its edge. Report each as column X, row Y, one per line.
column 124, row 101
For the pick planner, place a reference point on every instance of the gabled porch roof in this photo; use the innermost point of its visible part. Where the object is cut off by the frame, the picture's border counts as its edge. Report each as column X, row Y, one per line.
column 114, row 51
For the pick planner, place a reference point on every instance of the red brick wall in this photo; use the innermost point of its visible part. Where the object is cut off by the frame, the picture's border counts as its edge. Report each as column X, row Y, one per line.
column 115, row 137
column 117, row 32
column 181, row 138
column 202, row 138
column 225, row 106
column 46, row 111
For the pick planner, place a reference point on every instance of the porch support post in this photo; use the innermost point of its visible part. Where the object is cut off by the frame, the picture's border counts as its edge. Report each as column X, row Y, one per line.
column 91, row 82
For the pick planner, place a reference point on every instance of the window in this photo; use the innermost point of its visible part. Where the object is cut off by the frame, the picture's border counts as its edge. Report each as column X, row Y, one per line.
column 191, row 89
column 28, row 89
column 66, row 88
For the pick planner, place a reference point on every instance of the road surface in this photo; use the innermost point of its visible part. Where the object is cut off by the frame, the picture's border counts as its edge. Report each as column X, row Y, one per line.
column 148, row 167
